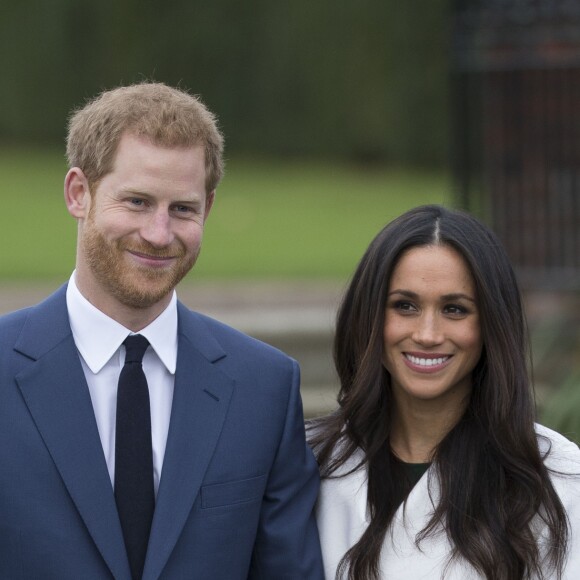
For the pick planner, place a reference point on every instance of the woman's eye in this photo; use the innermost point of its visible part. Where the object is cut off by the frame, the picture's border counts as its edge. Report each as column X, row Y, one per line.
column 455, row 309
column 404, row 306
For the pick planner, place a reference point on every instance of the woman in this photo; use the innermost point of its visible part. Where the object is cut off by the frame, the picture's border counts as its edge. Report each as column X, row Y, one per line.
column 432, row 466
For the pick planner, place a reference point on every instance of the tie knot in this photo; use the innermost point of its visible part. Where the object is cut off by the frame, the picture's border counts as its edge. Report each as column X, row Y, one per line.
column 135, row 345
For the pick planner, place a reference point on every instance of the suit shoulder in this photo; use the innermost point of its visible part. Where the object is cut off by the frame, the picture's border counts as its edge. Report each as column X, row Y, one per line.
column 12, row 322
column 45, row 317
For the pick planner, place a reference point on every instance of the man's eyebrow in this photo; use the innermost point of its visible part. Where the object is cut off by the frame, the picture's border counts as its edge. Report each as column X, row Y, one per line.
column 133, row 191
column 194, row 199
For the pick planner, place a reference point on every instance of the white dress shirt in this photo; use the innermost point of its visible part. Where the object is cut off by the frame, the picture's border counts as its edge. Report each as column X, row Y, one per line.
column 99, row 340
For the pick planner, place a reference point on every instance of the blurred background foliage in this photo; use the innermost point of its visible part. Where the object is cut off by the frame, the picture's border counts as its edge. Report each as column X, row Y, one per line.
column 365, row 81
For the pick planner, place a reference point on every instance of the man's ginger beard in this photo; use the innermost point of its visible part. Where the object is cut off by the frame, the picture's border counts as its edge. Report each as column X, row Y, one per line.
column 133, row 285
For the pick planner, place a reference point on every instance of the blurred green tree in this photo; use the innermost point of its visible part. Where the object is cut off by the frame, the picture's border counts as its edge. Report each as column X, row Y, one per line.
column 364, row 80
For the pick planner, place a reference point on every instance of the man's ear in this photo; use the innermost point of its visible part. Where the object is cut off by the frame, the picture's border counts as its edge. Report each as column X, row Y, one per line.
column 209, row 199
column 76, row 193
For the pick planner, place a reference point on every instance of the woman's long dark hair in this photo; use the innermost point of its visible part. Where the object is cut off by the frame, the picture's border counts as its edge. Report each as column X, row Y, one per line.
column 493, row 482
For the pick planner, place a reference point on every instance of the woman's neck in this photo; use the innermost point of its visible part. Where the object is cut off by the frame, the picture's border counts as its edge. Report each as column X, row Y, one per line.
column 417, row 430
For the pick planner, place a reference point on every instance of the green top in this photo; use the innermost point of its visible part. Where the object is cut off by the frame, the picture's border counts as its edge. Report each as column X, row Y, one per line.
column 414, row 471
column 411, row 474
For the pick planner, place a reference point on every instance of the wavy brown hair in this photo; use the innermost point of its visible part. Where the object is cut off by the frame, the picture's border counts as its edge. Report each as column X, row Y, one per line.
column 493, row 481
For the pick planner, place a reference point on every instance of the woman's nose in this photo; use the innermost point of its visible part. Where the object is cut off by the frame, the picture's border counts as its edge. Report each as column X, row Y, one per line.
column 427, row 331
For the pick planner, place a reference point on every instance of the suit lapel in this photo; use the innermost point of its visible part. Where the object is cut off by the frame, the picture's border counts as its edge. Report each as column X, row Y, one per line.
column 55, row 391
column 200, row 402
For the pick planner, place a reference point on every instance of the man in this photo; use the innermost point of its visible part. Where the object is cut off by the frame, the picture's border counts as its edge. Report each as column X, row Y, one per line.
column 139, row 439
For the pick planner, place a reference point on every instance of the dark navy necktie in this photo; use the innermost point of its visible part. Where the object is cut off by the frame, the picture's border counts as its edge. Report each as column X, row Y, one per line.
column 134, row 493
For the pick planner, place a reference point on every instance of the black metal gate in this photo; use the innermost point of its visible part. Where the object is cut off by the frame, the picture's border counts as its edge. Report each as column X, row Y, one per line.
column 516, row 98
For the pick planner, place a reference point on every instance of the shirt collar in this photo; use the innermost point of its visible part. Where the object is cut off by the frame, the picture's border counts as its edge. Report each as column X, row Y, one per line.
column 98, row 337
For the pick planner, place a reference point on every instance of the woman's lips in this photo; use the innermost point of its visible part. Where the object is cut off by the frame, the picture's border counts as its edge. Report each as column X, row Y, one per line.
column 426, row 363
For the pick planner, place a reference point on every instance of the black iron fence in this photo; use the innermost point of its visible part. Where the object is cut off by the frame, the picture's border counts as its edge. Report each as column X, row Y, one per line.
column 516, row 83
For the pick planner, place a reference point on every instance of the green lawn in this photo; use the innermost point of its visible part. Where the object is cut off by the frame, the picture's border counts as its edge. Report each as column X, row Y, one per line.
column 270, row 220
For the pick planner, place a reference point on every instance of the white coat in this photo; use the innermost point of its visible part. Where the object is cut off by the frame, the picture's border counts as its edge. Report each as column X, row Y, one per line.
column 342, row 518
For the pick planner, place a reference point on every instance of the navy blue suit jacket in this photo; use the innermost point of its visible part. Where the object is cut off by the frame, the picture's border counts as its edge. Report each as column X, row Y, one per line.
column 238, row 483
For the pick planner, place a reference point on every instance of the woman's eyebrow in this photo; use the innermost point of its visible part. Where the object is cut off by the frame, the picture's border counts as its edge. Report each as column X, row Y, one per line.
column 407, row 293
column 445, row 297
column 458, row 296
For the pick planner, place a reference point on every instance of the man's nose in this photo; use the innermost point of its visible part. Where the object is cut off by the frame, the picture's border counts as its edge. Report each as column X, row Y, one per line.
column 157, row 230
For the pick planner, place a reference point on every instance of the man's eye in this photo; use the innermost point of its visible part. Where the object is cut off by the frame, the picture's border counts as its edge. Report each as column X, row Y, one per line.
column 186, row 211
column 137, row 202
